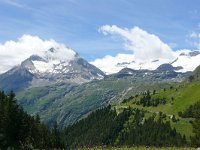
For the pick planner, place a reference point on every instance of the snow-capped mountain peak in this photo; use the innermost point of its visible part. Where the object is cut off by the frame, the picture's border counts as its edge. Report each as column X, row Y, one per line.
column 51, row 61
column 54, row 65
column 59, row 63
column 185, row 60
column 188, row 59
column 59, row 53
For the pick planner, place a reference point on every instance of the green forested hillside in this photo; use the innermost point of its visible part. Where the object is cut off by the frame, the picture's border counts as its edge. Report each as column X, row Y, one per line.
column 178, row 98
column 154, row 116
column 151, row 118
column 129, row 128
column 67, row 103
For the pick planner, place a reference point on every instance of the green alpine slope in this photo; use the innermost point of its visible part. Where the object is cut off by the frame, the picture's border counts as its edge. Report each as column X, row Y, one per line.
column 68, row 103
column 151, row 118
column 178, row 98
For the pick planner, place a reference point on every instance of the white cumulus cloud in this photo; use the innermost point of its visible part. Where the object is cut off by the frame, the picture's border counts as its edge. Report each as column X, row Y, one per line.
column 145, row 46
column 12, row 53
column 148, row 51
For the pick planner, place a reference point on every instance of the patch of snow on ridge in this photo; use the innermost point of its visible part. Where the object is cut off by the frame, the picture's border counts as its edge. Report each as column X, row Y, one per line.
column 188, row 59
column 148, row 51
column 59, row 53
column 189, row 63
column 110, row 64
column 54, row 59
column 100, row 76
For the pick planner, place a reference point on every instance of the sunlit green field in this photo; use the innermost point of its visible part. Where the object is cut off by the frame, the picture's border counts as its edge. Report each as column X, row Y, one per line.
column 183, row 97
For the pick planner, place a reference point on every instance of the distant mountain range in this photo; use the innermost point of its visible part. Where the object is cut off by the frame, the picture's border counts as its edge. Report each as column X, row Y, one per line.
column 66, row 88
column 57, row 65
column 67, row 103
column 183, row 60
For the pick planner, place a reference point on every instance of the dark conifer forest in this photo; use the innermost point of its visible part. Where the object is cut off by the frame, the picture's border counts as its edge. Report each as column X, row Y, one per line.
column 104, row 127
column 21, row 131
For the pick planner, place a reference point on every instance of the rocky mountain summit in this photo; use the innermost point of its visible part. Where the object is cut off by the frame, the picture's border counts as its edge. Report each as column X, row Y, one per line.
column 53, row 66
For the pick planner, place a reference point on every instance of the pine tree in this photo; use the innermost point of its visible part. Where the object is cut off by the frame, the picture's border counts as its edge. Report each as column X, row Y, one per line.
column 196, row 129
column 18, row 129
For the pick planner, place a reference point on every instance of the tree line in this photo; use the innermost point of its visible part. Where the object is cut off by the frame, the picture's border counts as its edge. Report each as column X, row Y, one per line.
column 105, row 127
column 21, row 131
column 146, row 100
column 193, row 111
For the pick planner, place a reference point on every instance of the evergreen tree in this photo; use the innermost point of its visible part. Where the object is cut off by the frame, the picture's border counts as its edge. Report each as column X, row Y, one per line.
column 20, row 130
column 196, row 129
column 191, row 111
column 56, row 137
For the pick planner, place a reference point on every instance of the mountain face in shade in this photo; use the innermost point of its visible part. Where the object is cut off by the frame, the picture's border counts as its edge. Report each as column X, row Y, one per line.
column 53, row 66
column 163, row 72
column 168, row 67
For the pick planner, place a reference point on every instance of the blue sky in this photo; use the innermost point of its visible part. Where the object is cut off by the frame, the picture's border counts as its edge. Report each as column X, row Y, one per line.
column 76, row 22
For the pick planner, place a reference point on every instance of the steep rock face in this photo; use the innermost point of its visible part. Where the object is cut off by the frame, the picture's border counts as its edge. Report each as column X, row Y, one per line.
column 15, row 79
column 49, row 68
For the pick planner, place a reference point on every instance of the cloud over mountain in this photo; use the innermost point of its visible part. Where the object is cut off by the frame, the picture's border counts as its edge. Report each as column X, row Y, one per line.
column 13, row 53
column 143, row 44
column 148, row 51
